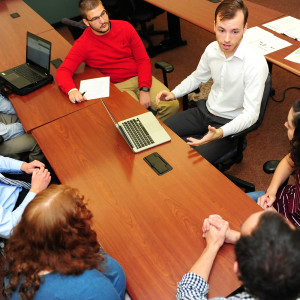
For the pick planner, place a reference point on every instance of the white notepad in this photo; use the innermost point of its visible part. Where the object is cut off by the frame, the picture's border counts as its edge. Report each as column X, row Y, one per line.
column 95, row 88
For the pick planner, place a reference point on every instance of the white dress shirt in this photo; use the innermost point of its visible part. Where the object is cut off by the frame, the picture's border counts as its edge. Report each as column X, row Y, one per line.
column 238, row 84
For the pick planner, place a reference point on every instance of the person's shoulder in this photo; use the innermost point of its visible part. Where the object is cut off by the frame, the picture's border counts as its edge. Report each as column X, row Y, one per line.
column 84, row 38
column 252, row 57
column 251, row 52
column 84, row 279
column 210, row 51
column 212, row 46
column 76, row 286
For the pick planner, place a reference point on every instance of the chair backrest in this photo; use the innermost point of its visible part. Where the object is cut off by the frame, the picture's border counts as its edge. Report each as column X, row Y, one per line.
column 263, row 106
column 109, row 4
column 76, row 28
column 264, row 101
column 236, row 154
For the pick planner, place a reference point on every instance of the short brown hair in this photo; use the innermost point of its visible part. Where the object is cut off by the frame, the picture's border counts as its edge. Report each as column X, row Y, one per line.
column 86, row 5
column 227, row 10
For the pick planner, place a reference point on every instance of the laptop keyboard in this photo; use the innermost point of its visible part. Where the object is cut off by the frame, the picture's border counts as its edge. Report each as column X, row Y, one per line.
column 25, row 72
column 137, row 133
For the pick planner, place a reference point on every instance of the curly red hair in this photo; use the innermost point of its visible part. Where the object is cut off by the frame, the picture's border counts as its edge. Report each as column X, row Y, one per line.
column 53, row 235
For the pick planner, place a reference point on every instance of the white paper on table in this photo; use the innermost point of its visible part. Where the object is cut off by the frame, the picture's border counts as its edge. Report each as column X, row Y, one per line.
column 294, row 56
column 95, row 88
column 264, row 40
column 289, row 26
column 256, row 33
column 294, row 33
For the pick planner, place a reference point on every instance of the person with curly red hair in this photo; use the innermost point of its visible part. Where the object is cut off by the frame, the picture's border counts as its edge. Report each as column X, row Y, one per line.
column 54, row 254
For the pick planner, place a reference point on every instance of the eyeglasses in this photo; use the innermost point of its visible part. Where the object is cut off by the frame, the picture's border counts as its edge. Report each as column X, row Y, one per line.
column 102, row 15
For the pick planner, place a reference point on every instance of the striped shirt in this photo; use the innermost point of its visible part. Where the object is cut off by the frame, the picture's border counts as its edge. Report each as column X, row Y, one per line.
column 288, row 201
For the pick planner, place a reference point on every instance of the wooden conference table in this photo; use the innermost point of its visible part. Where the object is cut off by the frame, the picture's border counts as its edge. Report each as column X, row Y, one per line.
column 278, row 56
column 151, row 224
column 49, row 102
column 202, row 12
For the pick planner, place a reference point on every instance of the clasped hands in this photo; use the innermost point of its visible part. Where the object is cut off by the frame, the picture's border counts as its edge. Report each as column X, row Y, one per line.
column 216, row 231
column 266, row 201
column 40, row 176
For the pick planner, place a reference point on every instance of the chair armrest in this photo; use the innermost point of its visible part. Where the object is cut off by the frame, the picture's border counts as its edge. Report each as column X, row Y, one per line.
column 270, row 166
column 70, row 22
column 164, row 66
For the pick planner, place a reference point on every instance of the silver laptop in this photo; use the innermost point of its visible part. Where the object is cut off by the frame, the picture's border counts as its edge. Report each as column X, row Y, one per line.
column 141, row 132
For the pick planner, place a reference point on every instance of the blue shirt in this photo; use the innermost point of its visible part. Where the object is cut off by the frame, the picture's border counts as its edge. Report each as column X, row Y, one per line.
column 9, row 131
column 90, row 285
column 8, row 197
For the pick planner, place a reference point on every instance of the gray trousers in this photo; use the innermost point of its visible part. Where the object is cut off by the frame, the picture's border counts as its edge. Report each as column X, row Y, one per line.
column 17, row 146
column 194, row 123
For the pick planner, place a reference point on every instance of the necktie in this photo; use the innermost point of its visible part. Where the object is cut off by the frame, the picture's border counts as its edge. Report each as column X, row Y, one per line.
column 15, row 182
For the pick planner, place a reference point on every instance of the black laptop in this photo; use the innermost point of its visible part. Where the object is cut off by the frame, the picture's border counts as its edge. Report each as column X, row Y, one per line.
column 35, row 73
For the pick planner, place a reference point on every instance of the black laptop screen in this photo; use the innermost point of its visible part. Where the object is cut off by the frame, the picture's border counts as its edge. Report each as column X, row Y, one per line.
column 38, row 51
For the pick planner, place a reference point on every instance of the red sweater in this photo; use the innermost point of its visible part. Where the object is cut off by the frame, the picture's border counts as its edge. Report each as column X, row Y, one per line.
column 119, row 54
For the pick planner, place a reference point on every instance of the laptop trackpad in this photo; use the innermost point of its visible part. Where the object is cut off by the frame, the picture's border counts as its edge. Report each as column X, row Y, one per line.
column 17, row 80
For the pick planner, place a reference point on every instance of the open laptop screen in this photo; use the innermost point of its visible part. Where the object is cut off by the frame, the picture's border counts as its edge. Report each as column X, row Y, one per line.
column 38, row 51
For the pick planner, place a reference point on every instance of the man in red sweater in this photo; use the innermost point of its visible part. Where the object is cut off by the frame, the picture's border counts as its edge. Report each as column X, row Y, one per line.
column 114, row 48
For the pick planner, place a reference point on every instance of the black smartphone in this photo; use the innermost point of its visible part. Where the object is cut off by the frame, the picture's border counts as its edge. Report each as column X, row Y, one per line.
column 56, row 62
column 157, row 163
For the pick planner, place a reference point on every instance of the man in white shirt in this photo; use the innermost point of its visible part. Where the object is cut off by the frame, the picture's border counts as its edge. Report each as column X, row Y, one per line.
column 239, row 74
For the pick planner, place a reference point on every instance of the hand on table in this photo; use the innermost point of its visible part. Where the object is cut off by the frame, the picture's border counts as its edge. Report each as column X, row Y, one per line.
column 216, row 221
column 75, row 96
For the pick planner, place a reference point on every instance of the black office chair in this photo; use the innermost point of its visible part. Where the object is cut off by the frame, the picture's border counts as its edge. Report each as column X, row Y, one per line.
column 270, row 166
column 113, row 8
column 236, row 154
column 77, row 27
column 140, row 12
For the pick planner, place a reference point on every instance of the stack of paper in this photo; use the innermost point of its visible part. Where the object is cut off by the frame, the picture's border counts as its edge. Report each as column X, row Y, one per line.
column 294, row 56
column 289, row 26
column 264, row 40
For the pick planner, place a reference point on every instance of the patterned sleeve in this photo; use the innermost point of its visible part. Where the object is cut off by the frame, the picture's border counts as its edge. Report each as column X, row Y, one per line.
column 194, row 287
